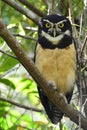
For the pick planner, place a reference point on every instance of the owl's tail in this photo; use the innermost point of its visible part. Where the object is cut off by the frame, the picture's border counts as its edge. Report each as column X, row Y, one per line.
column 52, row 111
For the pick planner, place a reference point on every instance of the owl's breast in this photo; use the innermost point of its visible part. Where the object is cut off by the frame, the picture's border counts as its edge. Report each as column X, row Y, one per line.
column 57, row 66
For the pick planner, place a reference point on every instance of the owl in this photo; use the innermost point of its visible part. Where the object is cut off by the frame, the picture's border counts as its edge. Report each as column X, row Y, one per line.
column 55, row 57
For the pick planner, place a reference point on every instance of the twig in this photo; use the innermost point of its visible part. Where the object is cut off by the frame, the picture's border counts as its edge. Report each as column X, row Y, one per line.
column 22, row 10
column 45, row 2
column 53, row 7
column 49, row 5
column 30, row 28
column 84, row 68
column 19, row 118
column 8, row 54
column 27, row 37
column 31, row 7
column 80, row 79
column 70, row 11
column 20, row 105
column 60, row 125
column 76, row 37
column 32, row 69
column 81, row 18
column 84, row 44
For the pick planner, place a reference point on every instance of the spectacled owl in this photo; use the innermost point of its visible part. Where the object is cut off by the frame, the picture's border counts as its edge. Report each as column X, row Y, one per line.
column 55, row 57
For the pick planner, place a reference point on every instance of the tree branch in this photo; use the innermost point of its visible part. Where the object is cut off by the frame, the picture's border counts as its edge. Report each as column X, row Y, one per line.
column 84, row 44
column 27, row 37
column 32, row 8
column 8, row 54
column 53, row 3
column 20, row 105
column 22, row 10
column 49, row 5
column 45, row 2
column 31, row 68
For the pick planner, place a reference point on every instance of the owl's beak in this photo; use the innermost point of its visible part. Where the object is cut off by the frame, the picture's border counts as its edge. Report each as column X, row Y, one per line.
column 56, row 32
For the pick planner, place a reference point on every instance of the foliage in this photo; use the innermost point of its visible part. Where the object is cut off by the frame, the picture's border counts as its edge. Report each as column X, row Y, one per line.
column 15, row 83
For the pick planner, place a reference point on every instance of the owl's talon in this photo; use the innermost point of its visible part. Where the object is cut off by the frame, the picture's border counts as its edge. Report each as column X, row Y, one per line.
column 62, row 97
column 52, row 85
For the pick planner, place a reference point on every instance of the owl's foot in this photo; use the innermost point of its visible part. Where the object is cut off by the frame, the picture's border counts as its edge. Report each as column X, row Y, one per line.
column 52, row 85
column 62, row 97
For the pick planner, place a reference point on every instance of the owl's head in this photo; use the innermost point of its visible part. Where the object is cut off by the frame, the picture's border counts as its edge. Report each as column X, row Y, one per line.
column 54, row 28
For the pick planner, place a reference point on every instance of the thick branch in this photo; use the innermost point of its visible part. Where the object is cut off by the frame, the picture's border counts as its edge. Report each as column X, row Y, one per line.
column 22, row 10
column 31, row 7
column 20, row 105
column 31, row 68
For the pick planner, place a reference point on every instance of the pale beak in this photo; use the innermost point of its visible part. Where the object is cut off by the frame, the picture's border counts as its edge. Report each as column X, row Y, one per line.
column 54, row 32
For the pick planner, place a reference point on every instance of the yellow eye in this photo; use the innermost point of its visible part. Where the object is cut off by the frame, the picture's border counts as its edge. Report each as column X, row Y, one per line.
column 47, row 25
column 61, row 25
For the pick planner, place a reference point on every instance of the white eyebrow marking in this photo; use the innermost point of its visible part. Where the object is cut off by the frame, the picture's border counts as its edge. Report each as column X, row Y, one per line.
column 48, row 21
column 54, row 23
column 62, row 21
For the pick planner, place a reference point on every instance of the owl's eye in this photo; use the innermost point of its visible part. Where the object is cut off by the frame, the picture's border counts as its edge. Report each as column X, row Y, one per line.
column 61, row 25
column 47, row 25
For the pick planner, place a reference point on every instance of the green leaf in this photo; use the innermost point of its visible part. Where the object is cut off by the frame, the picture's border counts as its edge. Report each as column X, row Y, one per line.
column 1, row 41
column 3, row 124
column 7, row 82
column 7, row 63
column 13, row 128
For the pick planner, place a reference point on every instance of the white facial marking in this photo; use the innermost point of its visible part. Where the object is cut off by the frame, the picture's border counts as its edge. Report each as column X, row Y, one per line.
column 54, row 40
column 67, row 32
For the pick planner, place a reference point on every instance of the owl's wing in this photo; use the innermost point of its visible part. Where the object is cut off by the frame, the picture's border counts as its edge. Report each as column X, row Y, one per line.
column 52, row 111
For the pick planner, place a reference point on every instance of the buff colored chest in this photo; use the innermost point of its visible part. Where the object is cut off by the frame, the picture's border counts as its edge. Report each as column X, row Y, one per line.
column 58, row 66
